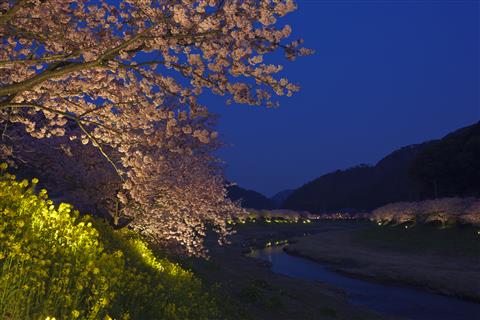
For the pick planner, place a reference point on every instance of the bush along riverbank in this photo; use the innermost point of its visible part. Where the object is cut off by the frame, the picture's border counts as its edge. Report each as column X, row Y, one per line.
column 58, row 264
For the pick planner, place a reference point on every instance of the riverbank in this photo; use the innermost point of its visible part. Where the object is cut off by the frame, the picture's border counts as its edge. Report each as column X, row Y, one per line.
column 248, row 289
column 423, row 263
column 392, row 300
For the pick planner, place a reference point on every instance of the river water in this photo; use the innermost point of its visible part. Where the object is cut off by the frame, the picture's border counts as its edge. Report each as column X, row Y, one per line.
column 402, row 302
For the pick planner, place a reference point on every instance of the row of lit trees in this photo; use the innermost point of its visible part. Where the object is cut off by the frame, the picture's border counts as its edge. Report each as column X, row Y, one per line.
column 443, row 211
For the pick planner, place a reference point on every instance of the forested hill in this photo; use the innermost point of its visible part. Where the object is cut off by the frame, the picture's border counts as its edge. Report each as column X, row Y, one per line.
column 249, row 198
column 445, row 167
column 451, row 166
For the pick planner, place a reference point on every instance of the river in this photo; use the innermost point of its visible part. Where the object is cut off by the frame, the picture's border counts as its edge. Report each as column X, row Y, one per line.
column 403, row 302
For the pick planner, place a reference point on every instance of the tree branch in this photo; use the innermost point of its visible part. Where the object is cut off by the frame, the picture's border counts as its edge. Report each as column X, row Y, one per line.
column 99, row 147
column 45, row 59
column 70, row 67
column 67, row 115
column 11, row 12
column 46, row 75
column 77, row 120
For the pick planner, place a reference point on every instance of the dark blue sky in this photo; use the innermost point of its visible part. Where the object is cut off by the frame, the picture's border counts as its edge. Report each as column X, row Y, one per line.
column 385, row 74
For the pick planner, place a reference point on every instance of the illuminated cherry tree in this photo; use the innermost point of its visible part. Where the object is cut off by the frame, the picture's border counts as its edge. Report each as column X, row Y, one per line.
column 442, row 210
column 124, row 78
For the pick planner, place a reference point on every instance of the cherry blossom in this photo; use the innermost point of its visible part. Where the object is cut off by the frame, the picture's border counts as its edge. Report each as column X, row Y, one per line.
column 117, row 85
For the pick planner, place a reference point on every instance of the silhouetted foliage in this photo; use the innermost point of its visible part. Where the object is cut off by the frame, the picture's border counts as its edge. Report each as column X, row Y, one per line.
column 450, row 166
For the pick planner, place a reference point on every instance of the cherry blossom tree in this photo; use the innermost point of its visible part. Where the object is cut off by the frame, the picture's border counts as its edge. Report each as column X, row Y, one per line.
column 123, row 79
column 442, row 210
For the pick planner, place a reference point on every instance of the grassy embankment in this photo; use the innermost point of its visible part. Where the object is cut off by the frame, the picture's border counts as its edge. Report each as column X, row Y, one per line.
column 423, row 239
column 58, row 264
column 441, row 259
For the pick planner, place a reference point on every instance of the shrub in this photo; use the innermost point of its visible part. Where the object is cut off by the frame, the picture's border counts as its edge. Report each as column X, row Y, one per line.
column 56, row 263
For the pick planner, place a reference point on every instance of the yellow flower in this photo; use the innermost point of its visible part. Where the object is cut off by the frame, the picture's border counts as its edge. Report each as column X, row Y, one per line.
column 63, row 238
column 75, row 314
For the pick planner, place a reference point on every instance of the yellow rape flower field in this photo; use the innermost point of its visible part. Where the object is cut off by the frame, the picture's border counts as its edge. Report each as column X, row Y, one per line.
column 58, row 264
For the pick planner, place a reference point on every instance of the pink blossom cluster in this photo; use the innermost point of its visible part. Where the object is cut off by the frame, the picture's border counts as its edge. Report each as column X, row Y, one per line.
column 342, row 216
column 122, row 79
column 443, row 210
column 279, row 213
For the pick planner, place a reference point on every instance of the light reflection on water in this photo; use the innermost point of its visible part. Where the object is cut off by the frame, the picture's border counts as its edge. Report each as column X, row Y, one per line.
column 390, row 300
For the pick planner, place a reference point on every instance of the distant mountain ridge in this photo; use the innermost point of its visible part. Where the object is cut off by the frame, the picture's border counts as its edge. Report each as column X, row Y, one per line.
column 255, row 200
column 446, row 167
column 438, row 168
column 280, row 197
column 250, row 198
